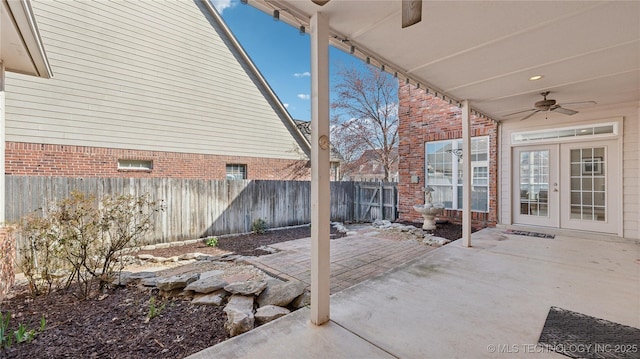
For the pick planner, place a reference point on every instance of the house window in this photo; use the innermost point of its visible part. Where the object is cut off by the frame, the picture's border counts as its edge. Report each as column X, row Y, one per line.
column 135, row 165
column 444, row 172
column 236, row 172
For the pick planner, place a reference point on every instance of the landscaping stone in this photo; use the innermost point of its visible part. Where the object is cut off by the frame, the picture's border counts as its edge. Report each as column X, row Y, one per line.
column 177, row 281
column 302, row 300
column 145, row 257
column 157, row 259
column 240, row 317
column 125, row 277
column 215, row 298
column 237, row 277
column 270, row 312
column 149, row 282
column 280, row 293
column 211, row 273
column 125, row 258
column 163, row 245
column 188, row 256
column 206, row 285
column 381, row 223
column 246, row 288
column 435, row 241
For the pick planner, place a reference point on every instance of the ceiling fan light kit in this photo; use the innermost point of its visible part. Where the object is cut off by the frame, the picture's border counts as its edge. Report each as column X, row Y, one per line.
column 411, row 12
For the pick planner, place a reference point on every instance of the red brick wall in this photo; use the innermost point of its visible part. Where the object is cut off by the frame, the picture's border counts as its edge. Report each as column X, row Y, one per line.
column 7, row 265
column 31, row 159
column 424, row 118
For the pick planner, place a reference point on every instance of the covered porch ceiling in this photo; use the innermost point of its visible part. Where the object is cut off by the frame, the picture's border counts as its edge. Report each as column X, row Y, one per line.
column 486, row 51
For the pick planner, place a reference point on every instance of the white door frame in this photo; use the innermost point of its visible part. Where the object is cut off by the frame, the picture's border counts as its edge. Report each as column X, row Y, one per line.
column 612, row 200
column 561, row 220
column 521, row 208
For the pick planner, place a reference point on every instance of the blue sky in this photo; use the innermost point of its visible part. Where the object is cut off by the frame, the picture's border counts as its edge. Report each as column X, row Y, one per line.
column 280, row 53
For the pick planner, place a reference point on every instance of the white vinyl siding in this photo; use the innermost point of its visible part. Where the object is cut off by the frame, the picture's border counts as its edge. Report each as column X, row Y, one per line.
column 147, row 75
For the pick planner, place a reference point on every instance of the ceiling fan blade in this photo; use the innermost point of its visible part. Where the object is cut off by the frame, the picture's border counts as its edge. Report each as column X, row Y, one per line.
column 320, row 2
column 411, row 12
column 515, row 113
column 579, row 103
column 563, row 110
column 529, row 115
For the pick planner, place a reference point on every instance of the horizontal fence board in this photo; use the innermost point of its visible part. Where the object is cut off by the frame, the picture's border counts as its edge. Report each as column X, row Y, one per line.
column 202, row 208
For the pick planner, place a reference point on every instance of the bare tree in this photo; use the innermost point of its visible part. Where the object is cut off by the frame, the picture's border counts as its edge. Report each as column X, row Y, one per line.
column 365, row 115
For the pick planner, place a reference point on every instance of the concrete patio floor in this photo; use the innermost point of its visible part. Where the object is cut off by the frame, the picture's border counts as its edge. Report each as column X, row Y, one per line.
column 457, row 302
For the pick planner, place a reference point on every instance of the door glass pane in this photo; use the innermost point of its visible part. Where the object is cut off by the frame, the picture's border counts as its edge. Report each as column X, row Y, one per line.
column 588, row 184
column 534, row 183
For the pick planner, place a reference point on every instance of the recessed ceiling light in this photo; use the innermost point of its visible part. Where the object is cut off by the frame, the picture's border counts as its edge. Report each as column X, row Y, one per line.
column 536, row 77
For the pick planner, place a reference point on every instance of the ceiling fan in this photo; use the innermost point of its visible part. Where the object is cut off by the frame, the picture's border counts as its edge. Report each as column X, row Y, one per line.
column 546, row 105
column 411, row 11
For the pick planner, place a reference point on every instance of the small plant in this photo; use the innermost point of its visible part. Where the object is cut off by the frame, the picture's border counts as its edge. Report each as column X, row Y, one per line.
column 21, row 335
column 5, row 338
column 212, row 242
column 154, row 310
column 259, row 226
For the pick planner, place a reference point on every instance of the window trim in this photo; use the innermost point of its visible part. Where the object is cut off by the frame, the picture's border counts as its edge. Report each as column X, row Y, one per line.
column 140, row 168
column 234, row 166
column 456, row 181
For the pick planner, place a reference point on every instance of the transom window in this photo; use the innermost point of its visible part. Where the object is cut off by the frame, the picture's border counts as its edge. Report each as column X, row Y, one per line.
column 444, row 172
column 236, row 172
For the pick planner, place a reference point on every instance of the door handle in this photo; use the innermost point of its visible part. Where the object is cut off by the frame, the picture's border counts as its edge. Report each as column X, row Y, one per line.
column 555, row 190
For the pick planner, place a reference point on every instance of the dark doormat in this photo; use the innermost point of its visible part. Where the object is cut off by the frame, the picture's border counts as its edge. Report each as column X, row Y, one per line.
column 530, row 234
column 578, row 335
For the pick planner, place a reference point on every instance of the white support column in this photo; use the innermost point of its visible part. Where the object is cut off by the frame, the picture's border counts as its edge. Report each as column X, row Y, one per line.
column 320, row 169
column 466, row 174
column 2, row 144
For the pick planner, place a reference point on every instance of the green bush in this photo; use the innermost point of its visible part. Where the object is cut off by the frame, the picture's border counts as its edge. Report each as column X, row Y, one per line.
column 259, row 226
column 212, row 241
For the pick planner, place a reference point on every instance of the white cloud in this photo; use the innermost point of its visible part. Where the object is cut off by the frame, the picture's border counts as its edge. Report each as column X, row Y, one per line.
column 220, row 5
column 304, row 96
column 302, row 74
column 286, row 105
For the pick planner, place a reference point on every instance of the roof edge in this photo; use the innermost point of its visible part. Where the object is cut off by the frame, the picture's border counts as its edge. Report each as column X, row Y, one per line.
column 25, row 20
column 263, row 82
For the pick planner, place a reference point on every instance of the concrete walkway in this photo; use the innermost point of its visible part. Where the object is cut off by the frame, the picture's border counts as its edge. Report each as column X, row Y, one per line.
column 489, row 301
column 354, row 258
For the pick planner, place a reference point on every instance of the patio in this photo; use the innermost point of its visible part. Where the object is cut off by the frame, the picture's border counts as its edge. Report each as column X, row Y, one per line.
column 490, row 300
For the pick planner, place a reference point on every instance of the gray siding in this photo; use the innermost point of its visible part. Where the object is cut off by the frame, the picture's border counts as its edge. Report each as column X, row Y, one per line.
column 147, row 75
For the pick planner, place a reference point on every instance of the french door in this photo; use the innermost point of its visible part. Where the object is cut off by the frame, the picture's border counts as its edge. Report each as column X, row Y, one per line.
column 568, row 185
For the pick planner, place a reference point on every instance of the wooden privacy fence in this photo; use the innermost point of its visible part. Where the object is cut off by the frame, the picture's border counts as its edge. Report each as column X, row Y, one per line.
column 201, row 208
column 376, row 200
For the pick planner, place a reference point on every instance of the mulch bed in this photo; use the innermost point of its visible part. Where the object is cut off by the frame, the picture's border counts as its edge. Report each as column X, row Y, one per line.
column 244, row 244
column 115, row 325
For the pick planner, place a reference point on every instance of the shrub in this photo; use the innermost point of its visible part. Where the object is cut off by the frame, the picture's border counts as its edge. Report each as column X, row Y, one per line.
column 41, row 254
column 82, row 238
column 259, row 226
